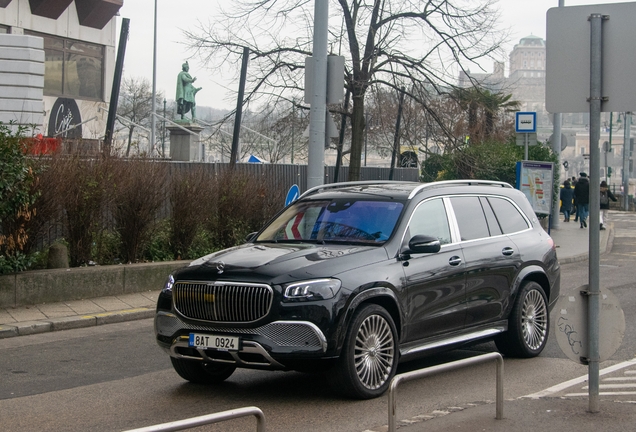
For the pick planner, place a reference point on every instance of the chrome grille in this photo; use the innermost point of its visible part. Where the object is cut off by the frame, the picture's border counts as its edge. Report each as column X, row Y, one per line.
column 222, row 301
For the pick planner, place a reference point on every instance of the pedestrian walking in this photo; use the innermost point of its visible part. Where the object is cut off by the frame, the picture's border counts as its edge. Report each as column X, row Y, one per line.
column 582, row 195
column 567, row 196
column 575, row 208
column 606, row 195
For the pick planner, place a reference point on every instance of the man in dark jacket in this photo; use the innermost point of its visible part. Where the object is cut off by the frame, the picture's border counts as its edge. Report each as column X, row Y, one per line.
column 582, row 197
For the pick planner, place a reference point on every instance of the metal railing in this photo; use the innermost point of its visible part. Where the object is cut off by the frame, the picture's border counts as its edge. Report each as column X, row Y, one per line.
column 420, row 373
column 208, row 419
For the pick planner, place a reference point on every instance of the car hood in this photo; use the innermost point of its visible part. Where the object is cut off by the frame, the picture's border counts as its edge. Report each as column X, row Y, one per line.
column 277, row 262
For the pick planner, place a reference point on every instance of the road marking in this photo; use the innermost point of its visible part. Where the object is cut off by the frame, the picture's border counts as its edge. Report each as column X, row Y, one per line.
column 560, row 387
column 613, row 386
column 621, row 379
column 626, row 393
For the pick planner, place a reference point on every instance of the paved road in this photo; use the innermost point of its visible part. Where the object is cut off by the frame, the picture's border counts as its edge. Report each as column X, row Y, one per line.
column 114, row 377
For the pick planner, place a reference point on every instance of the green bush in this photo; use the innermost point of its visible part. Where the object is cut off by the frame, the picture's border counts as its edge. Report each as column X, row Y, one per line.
column 18, row 194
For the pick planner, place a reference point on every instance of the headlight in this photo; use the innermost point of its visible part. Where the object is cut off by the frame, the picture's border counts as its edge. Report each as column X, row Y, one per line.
column 169, row 283
column 319, row 289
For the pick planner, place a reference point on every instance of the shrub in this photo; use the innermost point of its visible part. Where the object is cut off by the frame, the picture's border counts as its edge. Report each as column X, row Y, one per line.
column 138, row 193
column 190, row 205
column 18, row 193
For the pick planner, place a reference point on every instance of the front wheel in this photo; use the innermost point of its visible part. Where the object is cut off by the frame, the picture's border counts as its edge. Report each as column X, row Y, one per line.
column 528, row 324
column 369, row 356
column 202, row 373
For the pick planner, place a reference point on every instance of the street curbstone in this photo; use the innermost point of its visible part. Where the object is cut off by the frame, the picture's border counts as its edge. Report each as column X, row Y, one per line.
column 73, row 322
column 7, row 331
column 124, row 315
column 33, row 327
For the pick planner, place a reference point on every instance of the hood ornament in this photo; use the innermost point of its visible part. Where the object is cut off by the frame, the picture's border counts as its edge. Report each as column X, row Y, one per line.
column 220, row 267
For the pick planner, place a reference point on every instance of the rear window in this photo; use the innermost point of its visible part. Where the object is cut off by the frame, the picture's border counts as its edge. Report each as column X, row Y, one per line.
column 510, row 220
column 337, row 220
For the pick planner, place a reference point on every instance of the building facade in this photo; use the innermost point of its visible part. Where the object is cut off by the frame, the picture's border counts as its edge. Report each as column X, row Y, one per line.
column 78, row 42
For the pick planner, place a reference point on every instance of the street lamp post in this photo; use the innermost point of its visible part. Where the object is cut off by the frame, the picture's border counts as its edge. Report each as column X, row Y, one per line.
column 153, row 119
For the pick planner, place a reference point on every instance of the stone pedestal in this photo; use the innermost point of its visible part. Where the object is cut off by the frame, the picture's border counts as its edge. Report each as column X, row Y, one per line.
column 185, row 146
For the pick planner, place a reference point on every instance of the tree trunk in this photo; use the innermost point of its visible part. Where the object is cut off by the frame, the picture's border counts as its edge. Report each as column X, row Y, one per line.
column 357, row 136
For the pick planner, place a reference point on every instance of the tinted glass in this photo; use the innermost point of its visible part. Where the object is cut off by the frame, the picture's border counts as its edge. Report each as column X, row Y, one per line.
column 509, row 218
column 493, row 225
column 338, row 220
column 430, row 219
column 470, row 218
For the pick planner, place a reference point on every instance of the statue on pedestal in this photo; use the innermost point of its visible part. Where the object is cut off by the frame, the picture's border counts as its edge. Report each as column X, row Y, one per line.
column 186, row 92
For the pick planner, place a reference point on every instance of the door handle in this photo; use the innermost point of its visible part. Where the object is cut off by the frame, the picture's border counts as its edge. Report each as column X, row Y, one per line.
column 455, row 260
column 507, row 251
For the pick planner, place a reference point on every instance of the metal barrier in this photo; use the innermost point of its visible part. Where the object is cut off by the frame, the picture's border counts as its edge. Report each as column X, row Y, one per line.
column 443, row 368
column 208, row 419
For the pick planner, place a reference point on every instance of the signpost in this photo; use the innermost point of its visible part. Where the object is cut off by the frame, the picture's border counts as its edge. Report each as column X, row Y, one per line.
column 526, row 124
column 586, row 69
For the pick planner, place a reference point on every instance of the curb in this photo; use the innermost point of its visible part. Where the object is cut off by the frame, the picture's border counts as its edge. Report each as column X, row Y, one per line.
column 74, row 322
column 585, row 255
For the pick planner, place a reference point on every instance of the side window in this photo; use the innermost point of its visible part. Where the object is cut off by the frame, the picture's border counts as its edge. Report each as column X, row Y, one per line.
column 429, row 218
column 470, row 218
column 510, row 220
column 493, row 225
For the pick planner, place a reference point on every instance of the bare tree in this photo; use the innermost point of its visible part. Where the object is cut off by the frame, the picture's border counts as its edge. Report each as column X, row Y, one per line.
column 393, row 42
column 135, row 107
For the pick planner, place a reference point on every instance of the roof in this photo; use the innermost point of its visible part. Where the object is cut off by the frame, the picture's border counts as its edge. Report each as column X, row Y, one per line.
column 532, row 40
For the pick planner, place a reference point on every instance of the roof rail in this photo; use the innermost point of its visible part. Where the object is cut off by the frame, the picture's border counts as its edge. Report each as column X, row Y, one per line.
column 467, row 182
column 348, row 184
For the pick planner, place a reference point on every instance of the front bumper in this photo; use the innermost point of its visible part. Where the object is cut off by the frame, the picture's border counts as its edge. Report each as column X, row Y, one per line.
column 264, row 347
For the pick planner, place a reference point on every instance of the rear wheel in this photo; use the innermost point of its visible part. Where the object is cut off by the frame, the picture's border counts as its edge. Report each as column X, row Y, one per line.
column 369, row 356
column 202, row 373
column 528, row 324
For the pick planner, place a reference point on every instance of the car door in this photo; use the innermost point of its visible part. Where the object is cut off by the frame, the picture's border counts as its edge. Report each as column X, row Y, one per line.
column 435, row 291
column 491, row 257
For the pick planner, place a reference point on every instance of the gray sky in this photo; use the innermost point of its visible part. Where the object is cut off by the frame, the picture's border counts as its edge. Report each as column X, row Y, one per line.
column 522, row 17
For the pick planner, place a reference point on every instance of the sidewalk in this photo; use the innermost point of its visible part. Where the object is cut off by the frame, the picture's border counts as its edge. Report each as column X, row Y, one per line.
column 571, row 241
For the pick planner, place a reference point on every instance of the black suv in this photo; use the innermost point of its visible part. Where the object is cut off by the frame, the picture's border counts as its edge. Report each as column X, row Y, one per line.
column 353, row 277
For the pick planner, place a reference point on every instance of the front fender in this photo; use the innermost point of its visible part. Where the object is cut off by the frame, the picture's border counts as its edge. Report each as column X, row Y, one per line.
column 382, row 295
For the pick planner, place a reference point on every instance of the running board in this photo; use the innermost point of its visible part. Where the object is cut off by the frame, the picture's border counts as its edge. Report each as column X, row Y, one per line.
column 481, row 334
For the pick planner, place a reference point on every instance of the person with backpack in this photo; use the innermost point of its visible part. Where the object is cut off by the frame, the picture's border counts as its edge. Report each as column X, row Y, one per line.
column 606, row 195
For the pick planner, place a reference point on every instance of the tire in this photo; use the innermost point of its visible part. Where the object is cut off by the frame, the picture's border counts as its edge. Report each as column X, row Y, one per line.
column 369, row 355
column 528, row 324
column 202, row 373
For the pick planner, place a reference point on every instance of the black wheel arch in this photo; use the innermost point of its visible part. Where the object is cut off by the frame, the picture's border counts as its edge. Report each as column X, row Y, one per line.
column 380, row 295
column 533, row 273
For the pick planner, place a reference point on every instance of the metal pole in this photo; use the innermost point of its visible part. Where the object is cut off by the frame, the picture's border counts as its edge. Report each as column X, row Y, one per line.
column 596, row 81
column 396, row 138
column 525, row 141
column 445, row 367
column 556, row 148
column 153, row 119
column 318, row 113
column 626, row 149
column 239, row 109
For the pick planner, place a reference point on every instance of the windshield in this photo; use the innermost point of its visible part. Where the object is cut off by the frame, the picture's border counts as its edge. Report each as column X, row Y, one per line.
column 337, row 220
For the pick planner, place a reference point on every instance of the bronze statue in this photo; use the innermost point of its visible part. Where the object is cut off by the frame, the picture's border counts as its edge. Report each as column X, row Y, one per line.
column 186, row 92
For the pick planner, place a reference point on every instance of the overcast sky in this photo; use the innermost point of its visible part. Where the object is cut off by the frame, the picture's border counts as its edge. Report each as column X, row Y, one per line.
column 522, row 17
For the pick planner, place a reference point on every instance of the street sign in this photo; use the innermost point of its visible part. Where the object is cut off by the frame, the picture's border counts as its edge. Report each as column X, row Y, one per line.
column 564, row 141
column 568, row 58
column 526, row 122
column 292, row 195
column 571, row 325
column 521, row 139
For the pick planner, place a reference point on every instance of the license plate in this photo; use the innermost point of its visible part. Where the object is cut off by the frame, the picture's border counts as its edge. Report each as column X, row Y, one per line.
column 217, row 342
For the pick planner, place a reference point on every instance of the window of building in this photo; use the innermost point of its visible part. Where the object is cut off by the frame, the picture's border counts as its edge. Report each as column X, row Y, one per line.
column 72, row 68
column 4, row 29
column 582, row 150
column 525, row 64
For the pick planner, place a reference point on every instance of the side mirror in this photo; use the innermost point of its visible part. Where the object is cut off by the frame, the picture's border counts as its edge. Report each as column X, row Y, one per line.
column 424, row 244
column 250, row 237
